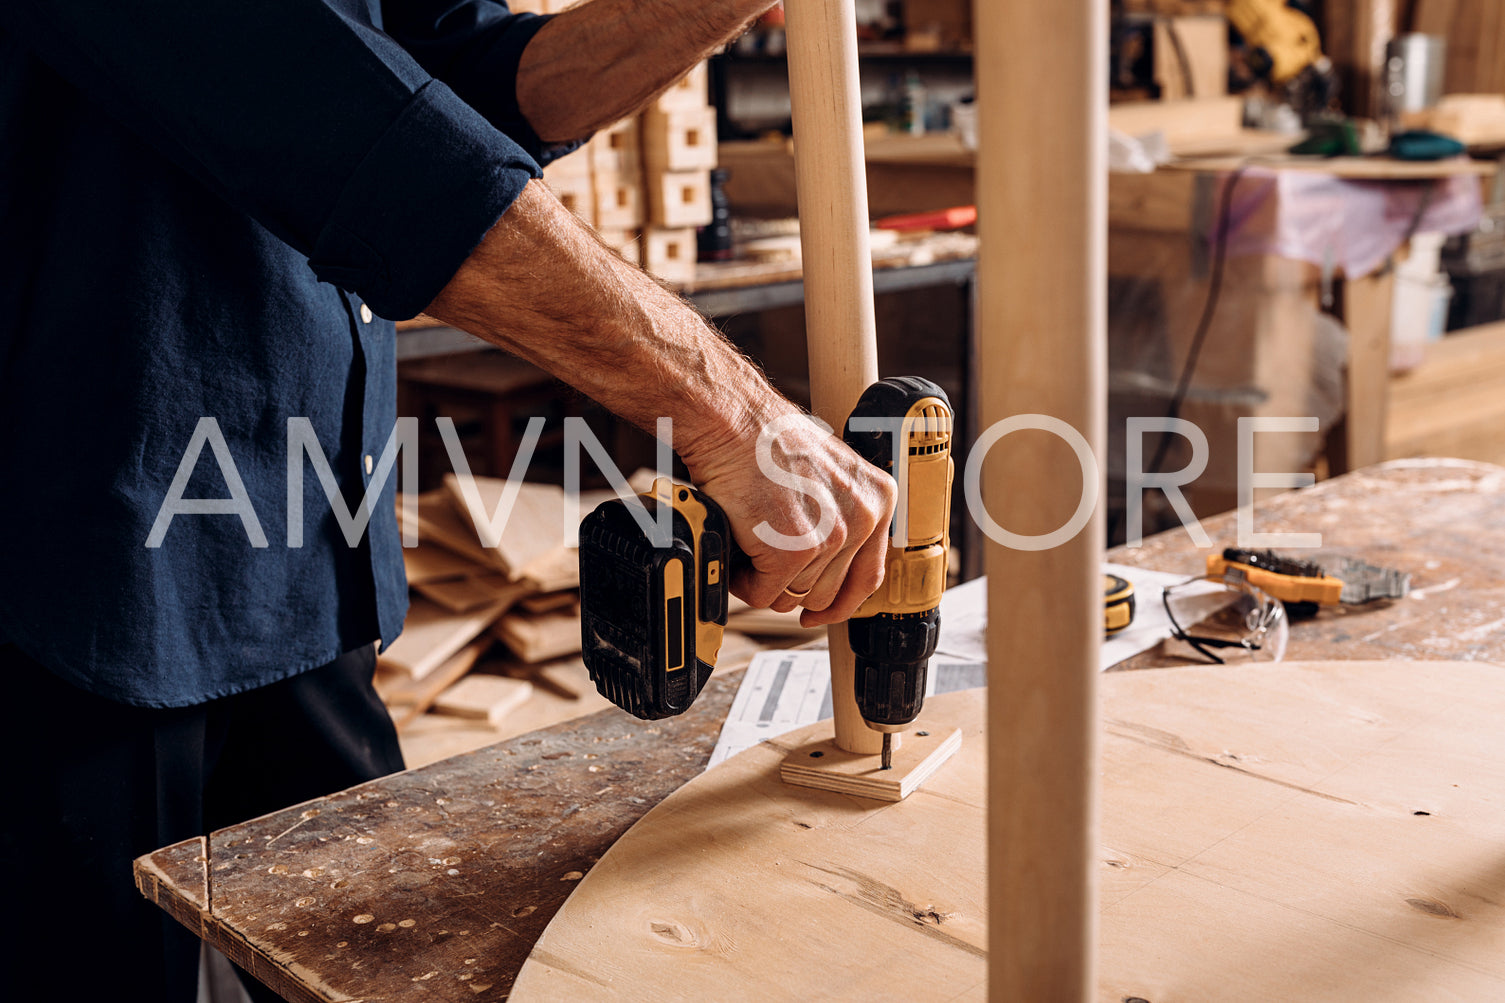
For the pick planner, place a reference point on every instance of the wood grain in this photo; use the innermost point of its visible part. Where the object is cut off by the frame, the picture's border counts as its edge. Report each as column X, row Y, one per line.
column 429, row 563
column 477, row 851
column 461, row 595
column 1312, row 831
column 1042, row 347
column 1453, row 404
column 432, row 634
column 824, row 766
column 1368, row 307
column 532, row 809
column 533, row 534
column 539, row 637
column 483, row 698
column 407, row 698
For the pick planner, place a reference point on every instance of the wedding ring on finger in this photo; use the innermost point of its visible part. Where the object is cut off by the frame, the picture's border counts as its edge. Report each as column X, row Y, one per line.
column 797, row 596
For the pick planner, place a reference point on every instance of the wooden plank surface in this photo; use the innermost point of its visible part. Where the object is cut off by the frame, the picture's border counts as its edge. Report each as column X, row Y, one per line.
column 452, row 869
column 1312, row 831
column 531, row 809
column 432, row 634
column 407, row 698
column 1453, row 403
column 1441, row 520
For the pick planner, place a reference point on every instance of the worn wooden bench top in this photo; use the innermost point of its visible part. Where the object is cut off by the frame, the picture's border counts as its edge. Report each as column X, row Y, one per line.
column 457, row 867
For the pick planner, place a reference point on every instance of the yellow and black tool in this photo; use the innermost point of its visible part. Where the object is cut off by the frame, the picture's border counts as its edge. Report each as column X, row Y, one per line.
column 1118, row 604
column 652, row 610
column 653, row 597
column 1326, row 580
column 904, row 426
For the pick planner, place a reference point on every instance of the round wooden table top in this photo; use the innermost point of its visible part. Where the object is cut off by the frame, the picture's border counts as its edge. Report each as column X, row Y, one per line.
column 1322, row 830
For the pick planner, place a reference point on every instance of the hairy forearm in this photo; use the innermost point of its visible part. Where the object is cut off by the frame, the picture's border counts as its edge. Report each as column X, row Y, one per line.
column 602, row 60
column 542, row 286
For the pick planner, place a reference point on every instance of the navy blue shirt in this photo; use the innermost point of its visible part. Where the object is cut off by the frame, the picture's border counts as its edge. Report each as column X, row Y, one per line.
column 206, row 209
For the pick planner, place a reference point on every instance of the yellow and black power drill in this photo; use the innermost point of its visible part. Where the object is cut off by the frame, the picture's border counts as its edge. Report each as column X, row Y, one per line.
column 894, row 633
column 652, row 611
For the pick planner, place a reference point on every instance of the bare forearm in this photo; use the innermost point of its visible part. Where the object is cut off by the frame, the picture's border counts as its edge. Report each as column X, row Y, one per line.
column 602, row 60
column 542, row 286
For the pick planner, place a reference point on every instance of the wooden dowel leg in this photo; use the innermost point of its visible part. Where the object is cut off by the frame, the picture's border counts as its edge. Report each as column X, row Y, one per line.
column 830, row 174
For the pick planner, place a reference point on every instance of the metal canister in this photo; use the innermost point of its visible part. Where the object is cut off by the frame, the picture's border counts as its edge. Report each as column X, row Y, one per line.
column 1414, row 69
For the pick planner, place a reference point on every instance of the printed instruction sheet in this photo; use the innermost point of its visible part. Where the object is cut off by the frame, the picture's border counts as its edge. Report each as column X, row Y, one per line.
column 788, row 689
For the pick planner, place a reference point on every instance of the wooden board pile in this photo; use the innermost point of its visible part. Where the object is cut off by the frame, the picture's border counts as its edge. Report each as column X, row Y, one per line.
column 473, row 584
column 479, row 583
column 645, row 182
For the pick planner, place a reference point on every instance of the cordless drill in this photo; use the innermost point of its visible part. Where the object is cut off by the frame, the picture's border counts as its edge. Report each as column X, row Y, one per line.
column 652, row 612
column 903, row 425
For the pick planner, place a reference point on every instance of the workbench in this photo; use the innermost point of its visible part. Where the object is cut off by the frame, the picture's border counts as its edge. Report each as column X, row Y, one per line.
column 442, row 878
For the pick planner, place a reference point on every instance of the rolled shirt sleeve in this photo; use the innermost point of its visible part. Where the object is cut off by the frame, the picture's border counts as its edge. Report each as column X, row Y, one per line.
column 474, row 46
column 305, row 117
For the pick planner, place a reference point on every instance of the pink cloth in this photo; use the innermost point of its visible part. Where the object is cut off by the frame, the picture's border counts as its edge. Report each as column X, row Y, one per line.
column 1355, row 225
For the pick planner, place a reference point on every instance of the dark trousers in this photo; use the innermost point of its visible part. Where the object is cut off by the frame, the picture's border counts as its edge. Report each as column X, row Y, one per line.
column 94, row 784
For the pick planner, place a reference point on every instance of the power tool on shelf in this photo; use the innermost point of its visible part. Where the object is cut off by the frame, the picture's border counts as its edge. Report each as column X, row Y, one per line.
column 652, row 616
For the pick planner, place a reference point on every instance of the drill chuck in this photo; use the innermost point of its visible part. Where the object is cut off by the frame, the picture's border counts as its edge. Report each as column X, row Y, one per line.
column 893, row 656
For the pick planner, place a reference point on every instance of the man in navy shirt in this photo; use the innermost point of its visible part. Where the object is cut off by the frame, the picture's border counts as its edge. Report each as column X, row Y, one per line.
column 209, row 213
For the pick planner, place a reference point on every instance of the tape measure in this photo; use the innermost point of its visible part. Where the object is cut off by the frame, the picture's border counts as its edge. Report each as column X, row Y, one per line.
column 1118, row 604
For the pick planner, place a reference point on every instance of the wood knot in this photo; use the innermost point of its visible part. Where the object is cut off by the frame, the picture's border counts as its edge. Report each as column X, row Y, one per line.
column 677, row 934
column 672, row 932
column 1432, row 907
column 931, row 916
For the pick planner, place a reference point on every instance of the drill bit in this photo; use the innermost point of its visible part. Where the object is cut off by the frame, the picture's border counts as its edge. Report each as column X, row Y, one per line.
column 888, row 751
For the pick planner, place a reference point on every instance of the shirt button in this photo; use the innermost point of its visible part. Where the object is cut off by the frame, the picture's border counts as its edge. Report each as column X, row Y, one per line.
column 365, row 314
column 370, row 464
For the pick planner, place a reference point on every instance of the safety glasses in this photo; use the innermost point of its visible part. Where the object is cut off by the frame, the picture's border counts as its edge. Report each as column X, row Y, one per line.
column 1224, row 619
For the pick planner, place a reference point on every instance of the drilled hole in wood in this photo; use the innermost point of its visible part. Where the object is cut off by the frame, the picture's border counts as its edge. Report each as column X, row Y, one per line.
column 1421, row 813
column 816, row 754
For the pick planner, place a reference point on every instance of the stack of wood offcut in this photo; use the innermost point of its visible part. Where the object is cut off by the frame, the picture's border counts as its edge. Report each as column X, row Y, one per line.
column 506, row 591
column 645, row 182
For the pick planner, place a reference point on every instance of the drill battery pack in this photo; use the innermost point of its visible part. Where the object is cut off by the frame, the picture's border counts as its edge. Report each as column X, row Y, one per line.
column 653, row 610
